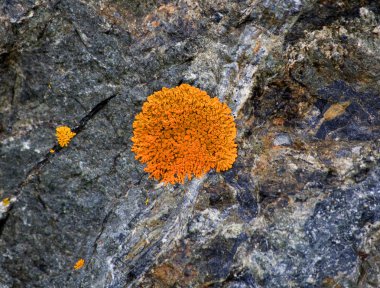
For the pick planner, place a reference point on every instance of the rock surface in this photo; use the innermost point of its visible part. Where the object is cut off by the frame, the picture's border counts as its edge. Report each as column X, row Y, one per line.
column 299, row 208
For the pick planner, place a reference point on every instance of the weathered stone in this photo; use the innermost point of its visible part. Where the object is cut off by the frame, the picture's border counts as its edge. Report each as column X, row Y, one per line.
column 282, row 139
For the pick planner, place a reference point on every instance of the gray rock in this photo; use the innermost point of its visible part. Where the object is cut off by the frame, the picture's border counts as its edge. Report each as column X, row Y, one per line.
column 300, row 206
column 282, row 140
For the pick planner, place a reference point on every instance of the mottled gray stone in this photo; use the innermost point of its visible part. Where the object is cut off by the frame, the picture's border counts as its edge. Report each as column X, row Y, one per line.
column 282, row 140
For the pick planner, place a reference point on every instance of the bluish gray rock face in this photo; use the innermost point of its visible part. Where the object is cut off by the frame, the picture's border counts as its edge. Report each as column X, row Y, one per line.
column 300, row 206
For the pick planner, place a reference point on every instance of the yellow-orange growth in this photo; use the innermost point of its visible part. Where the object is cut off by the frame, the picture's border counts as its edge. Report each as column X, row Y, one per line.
column 79, row 264
column 64, row 135
column 183, row 132
column 6, row 201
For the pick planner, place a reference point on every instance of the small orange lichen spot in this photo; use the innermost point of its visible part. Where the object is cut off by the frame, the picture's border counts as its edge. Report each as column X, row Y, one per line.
column 52, row 151
column 182, row 132
column 64, row 135
column 79, row 264
column 6, row 201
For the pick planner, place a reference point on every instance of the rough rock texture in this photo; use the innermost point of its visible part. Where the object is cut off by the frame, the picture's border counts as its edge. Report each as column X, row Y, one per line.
column 299, row 208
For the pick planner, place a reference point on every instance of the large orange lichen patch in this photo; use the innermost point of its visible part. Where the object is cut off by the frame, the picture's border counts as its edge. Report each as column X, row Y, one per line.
column 182, row 132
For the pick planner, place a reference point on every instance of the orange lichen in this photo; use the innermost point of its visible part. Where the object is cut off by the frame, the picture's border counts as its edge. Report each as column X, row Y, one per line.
column 79, row 264
column 52, row 151
column 64, row 135
column 182, row 132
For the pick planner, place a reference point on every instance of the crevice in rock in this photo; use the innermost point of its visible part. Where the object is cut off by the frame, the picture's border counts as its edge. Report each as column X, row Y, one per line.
column 92, row 113
column 4, row 221
column 10, row 62
column 38, row 194
column 103, row 226
column 43, row 30
column 41, row 201
column 32, row 172
column 35, row 170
